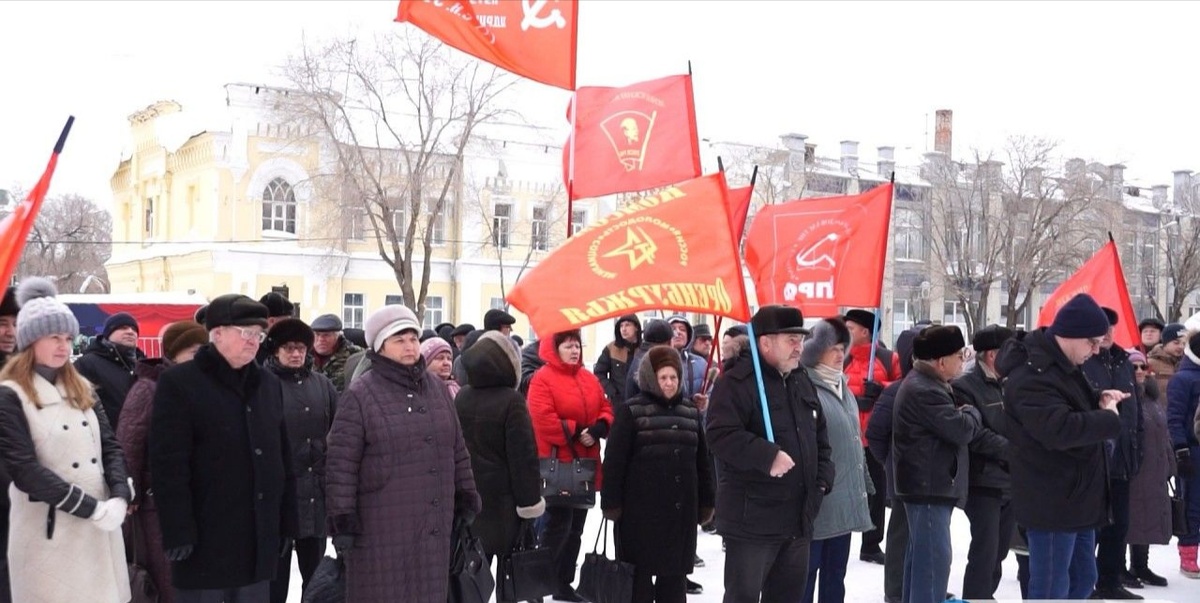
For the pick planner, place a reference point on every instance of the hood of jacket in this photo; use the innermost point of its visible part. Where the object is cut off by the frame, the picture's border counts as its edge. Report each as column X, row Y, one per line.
column 549, row 354
column 1038, row 349
column 647, row 381
column 151, row 368
column 492, row 362
column 621, row 340
column 686, row 325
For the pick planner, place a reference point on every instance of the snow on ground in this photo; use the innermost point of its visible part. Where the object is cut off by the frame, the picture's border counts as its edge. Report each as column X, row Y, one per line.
column 864, row 581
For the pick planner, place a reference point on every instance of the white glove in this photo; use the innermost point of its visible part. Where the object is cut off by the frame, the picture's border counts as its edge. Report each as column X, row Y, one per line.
column 110, row 514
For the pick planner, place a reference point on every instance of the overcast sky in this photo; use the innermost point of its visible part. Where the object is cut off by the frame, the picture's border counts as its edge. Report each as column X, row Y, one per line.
column 1112, row 81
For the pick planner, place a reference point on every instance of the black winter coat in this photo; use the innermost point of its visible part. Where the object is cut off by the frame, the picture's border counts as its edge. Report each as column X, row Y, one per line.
column 222, row 471
column 750, row 503
column 657, row 471
column 929, row 441
column 531, row 361
column 879, row 434
column 110, row 368
column 499, row 435
column 989, row 449
column 1057, row 433
column 309, row 403
column 1111, row 369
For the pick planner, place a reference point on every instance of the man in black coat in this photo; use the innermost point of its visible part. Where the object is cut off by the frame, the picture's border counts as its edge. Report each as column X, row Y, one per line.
column 1057, row 425
column 989, row 493
column 221, row 464
column 1110, row 369
column 108, row 362
column 612, row 367
column 773, row 470
column 929, row 445
column 8, row 346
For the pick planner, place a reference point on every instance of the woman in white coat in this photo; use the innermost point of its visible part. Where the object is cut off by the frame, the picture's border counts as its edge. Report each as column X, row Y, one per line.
column 69, row 489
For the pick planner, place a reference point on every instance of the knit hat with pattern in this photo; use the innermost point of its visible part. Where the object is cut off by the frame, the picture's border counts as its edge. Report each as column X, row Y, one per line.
column 42, row 314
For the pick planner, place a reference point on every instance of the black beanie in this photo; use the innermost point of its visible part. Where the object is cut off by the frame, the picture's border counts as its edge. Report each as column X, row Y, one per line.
column 1194, row 344
column 117, row 321
column 657, row 331
column 10, row 307
column 1080, row 318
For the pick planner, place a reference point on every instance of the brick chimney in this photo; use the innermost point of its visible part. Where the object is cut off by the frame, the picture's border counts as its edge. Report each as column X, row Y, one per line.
column 887, row 161
column 849, row 156
column 943, row 132
column 1159, row 195
column 1183, row 187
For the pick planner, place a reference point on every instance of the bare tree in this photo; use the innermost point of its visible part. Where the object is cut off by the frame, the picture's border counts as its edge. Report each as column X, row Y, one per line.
column 69, row 243
column 395, row 116
column 1182, row 251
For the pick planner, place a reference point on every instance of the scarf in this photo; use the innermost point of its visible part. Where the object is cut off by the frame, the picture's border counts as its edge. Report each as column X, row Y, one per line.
column 830, row 375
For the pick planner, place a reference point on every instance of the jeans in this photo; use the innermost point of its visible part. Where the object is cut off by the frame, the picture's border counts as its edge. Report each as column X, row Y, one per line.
column 927, row 564
column 992, row 525
column 563, row 533
column 897, row 544
column 877, row 504
column 827, row 560
column 309, row 552
column 1110, row 540
column 765, row 571
column 1062, row 565
column 259, row 592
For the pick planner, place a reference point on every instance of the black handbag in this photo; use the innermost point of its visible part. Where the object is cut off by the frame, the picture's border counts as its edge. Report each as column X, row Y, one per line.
column 141, row 585
column 471, row 578
column 568, row 485
column 328, row 582
column 604, row 580
column 1179, row 519
column 528, row 571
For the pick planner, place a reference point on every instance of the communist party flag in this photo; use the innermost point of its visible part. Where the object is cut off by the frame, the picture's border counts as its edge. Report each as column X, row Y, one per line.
column 671, row 250
column 739, row 209
column 531, row 38
column 635, row 138
column 14, row 229
column 819, row 254
column 1102, row 278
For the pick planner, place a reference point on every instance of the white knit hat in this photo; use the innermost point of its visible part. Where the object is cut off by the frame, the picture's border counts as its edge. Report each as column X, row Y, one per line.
column 388, row 321
column 41, row 313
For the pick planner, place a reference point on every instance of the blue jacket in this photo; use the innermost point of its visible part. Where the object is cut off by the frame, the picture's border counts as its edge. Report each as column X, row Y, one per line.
column 1183, row 390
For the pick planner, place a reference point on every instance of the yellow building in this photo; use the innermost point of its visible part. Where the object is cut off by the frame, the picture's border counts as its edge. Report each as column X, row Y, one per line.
column 233, row 209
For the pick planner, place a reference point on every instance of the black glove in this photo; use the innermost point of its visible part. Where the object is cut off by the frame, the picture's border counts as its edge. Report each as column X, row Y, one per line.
column 180, row 553
column 599, row 430
column 342, row 543
column 1183, row 460
column 872, row 390
column 285, row 547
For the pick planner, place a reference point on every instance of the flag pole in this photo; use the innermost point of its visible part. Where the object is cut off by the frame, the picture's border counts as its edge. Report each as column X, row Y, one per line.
column 762, row 390
column 879, row 309
column 571, row 167
column 19, row 222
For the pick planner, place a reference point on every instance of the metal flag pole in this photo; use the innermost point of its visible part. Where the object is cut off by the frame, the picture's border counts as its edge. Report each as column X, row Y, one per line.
column 879, row 309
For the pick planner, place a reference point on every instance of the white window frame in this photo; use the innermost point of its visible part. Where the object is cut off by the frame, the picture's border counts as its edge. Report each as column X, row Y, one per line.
column 354, row 310
column 277, row 198
column 434, row 311
column 502, row 225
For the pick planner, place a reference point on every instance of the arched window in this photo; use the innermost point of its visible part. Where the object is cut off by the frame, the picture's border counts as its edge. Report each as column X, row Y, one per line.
column 279, row 207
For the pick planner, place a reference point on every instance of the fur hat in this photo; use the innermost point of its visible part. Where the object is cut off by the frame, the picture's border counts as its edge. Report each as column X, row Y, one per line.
column 291, row 330
column 42, row 314
column 201, row 312
column 938, row 342
column 863, row 318
column 234, row 310
column 179, row 336
column 991, row 337
column 494, row 319
column 825, row 334
column 1151, row 322
column 773, row 319
column 388, row 321
column 1080, row 318
column 277, row 305
column 655, row 359
column 9, row 306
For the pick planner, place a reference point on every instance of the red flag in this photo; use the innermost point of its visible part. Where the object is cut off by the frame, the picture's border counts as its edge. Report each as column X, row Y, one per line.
column 665, row 251
column 14, row 229
column 819, row 254
column 1102, row 278
column 635, row 138
column 739, row 208
column 531, row 38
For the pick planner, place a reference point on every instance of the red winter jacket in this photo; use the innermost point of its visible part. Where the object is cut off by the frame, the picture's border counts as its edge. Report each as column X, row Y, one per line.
column 856, row 373
column 560, row 393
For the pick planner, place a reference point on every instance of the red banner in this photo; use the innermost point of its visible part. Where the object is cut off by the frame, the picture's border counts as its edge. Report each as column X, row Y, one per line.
column 531, row 38
column 821, row 254
column 672, row 250
column 1102, row 278
column 14, row 229
column 739, row 208
column 635, row 138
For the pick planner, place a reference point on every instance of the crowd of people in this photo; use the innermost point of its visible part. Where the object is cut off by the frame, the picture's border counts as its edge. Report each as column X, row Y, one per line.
column 257, row 438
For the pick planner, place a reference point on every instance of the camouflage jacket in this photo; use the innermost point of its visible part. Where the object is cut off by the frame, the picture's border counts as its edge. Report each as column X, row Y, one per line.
column 334, row 367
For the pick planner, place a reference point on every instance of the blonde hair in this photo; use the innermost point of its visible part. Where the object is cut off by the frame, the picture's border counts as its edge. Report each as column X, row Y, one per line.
column 19, row 369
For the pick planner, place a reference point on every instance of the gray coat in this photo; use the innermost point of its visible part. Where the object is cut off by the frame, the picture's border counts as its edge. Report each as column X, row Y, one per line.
column 844, row 509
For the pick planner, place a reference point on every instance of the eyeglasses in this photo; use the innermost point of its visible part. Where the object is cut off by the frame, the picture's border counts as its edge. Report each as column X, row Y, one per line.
column 1139, row 366
column 294, row 348
column 248, row 335
column 1095, row 341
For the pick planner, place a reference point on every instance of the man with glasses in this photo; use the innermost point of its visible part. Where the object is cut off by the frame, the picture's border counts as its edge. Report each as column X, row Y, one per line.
column 1057, row 425
column 221, row 463
column 930, row 434
column 769, row 491
column 1110, row 369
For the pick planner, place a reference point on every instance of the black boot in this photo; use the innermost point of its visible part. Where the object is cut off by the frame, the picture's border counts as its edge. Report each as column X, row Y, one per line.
column 1129, row 580
column 1139, row 565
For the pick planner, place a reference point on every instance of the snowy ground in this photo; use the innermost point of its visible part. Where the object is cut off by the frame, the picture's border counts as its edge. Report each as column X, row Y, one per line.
column 864, row 581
